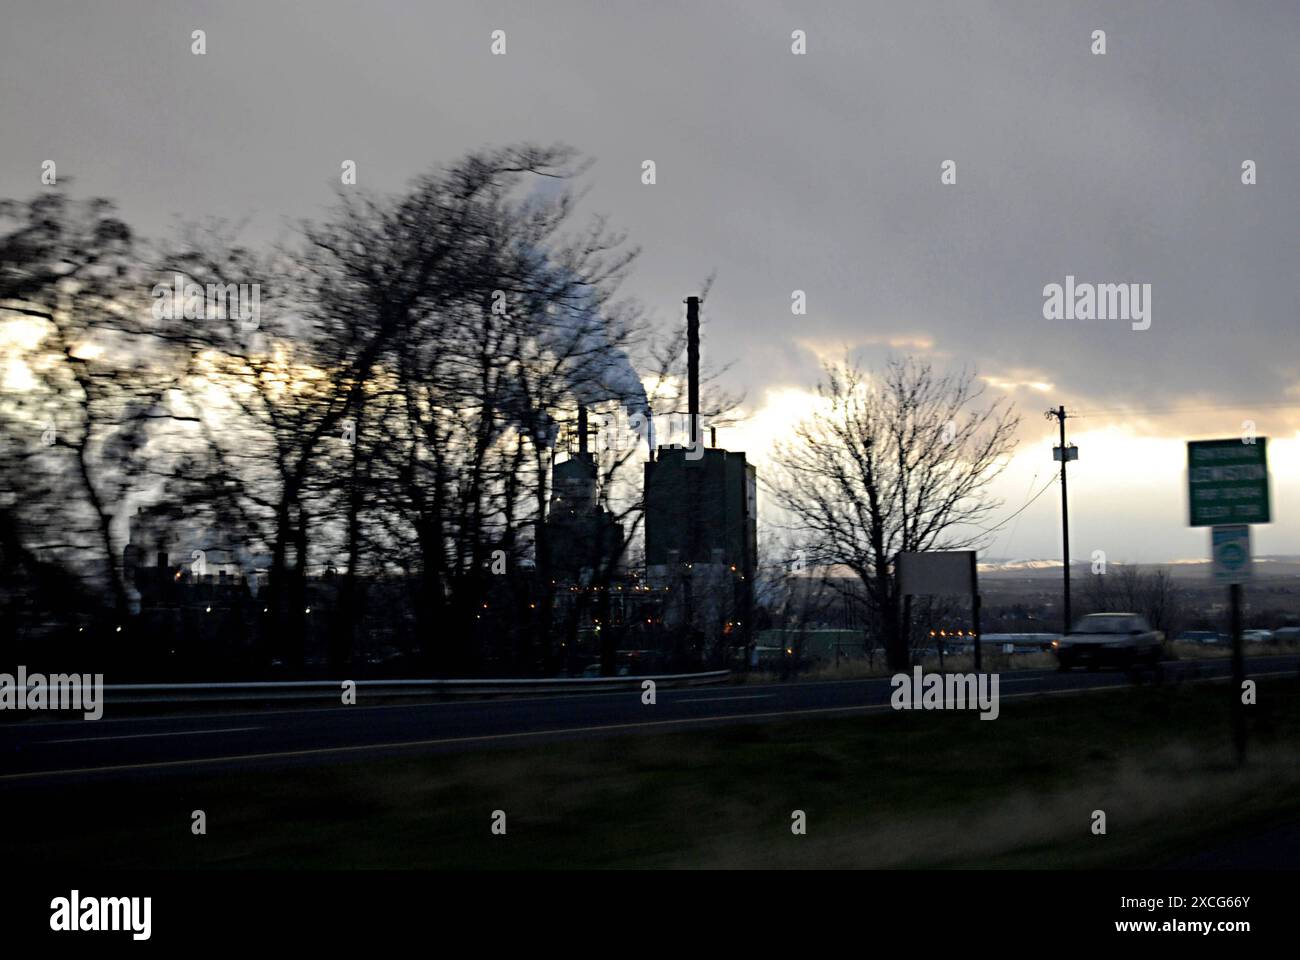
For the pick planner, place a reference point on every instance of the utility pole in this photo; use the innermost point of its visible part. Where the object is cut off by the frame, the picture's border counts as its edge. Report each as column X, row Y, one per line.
column 1238, row 674
column 1065, row 454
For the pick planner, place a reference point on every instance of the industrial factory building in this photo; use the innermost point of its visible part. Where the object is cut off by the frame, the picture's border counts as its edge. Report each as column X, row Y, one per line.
column 701, row 529
column 701, row 544
column 585, row 541
column 584, row 600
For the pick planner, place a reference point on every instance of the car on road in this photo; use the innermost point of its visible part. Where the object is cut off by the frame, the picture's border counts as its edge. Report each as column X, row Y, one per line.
column 1200, row 636
column 1286, row 635
column 1257, row 636
column 1109, row 639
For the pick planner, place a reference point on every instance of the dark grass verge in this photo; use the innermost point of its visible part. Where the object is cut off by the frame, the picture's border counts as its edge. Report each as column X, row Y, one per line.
column 934, row 789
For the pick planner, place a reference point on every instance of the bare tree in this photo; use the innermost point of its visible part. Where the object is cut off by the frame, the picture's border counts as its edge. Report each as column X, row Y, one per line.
column 480, row 316
column 890, row 464
column 1131, row 588
column 97, row 370
column 391, row 410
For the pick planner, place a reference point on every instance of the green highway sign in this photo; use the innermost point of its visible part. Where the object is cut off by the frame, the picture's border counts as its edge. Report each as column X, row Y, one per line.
column 1227, row 481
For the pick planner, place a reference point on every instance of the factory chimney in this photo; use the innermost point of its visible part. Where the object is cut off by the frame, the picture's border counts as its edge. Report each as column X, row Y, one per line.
column 693, row 366
column 582, row 428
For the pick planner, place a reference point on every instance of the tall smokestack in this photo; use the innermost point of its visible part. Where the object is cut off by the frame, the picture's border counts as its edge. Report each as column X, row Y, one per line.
column 693, row 365
column 582, row 428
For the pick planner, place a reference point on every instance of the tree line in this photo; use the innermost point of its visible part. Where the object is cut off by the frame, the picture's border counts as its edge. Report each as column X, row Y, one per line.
column 381, row 398
column 387, row 403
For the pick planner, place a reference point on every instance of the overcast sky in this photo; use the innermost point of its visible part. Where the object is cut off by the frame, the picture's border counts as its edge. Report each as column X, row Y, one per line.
column 818, row 172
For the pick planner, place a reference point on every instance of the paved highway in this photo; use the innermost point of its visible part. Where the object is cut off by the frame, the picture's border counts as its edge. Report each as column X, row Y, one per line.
column 36, row 749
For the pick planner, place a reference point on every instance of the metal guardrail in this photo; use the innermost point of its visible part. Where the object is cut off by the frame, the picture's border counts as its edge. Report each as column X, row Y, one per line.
column 141, row 693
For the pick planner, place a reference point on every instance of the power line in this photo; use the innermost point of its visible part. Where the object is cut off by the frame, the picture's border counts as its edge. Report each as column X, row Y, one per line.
column 1011, row 536
column 1197, row 408
column 1025, row 507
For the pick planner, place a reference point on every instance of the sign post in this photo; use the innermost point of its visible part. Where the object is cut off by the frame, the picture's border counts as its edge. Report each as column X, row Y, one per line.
column 1227, row 489
column 1230, row 562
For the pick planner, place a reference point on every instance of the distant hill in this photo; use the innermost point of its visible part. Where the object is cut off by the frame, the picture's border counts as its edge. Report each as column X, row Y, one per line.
column 1021, row 570
column 1282, row 565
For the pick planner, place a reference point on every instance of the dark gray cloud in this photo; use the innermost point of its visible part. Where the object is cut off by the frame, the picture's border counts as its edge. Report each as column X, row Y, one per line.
column 818, row 172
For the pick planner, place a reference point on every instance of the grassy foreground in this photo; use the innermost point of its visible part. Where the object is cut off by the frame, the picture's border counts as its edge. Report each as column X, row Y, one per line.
column 933, row 789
